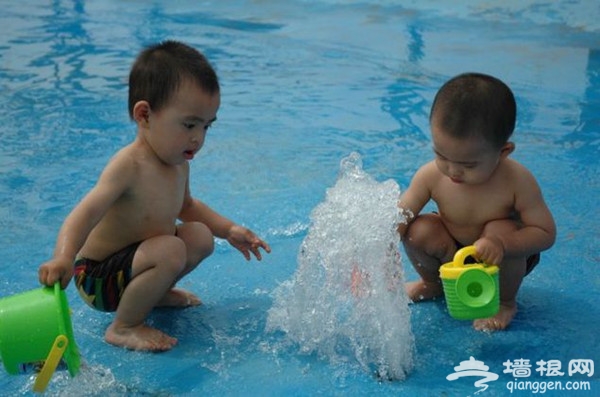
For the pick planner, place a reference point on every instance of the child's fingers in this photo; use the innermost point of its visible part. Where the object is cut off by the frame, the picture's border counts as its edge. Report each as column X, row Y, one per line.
column 64, row 281
column 265, row 246
column 256, row 252
column 43, row 275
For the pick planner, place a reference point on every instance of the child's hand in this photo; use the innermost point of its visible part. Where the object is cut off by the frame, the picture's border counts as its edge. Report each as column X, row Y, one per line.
column 489, row 250
column 56, row 270
column 246, row 241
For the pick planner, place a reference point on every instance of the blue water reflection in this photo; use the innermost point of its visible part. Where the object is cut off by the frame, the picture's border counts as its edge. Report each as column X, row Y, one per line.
column 304, row 83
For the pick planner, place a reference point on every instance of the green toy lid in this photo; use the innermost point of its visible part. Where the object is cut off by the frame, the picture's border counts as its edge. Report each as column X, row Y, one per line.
column 475, row 288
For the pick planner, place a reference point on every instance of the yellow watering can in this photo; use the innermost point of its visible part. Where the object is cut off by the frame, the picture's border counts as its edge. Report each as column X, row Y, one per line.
column 471, row 290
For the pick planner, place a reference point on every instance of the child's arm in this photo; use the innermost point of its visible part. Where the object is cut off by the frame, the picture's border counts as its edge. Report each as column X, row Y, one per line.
column 538, row 230
column 240, row 237
column 416, row 195
column 80, row 222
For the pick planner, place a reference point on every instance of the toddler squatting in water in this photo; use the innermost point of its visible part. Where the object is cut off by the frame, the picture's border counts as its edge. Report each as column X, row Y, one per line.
column 484, row 198
column 139, row 230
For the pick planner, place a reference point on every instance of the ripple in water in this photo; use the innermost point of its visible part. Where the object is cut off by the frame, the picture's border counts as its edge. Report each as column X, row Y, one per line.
column 346, row 300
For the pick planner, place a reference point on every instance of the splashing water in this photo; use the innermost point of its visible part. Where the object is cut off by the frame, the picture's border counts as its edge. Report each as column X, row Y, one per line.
column 346, row 299
column 91, row 381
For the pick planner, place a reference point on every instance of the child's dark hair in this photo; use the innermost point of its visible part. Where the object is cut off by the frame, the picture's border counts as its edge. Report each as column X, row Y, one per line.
column 475, row 103
column 160, row 69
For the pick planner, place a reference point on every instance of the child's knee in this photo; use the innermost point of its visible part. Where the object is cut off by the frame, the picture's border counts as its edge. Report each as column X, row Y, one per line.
column 420, row 230
column 173, row 256
column 201, row 242
column 428, row 235
column 206, row 240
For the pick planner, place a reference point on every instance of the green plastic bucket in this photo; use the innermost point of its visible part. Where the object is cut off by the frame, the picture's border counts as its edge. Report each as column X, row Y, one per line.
column 35, row 327
column 471, row 290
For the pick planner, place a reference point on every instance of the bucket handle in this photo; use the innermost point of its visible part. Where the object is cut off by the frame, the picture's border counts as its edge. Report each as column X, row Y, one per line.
column 56, row 353
column 461, row 255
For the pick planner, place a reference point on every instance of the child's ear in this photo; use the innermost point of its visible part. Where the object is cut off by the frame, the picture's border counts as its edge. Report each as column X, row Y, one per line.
column 141, row 113
column 507, row 149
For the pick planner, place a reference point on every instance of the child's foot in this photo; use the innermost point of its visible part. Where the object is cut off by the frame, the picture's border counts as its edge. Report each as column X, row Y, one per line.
column 179, row 298
column 141, row 337
column 424, row 290
column 498, row 322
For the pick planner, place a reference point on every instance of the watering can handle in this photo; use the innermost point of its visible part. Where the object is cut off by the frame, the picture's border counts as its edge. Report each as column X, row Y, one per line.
column 461, row 255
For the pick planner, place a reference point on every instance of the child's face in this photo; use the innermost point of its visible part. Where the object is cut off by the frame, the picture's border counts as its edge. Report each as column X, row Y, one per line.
column 177, row 131
column 470, row 161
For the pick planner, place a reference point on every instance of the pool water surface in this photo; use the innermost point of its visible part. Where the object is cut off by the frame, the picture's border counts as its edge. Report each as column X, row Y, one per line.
column 304, row 84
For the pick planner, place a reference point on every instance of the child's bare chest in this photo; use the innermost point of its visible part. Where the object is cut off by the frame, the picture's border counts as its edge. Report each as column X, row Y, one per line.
column 472, row 206
column 157, row 196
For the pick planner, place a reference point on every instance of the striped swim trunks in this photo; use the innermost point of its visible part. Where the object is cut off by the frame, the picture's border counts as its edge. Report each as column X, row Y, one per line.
column 102, row 283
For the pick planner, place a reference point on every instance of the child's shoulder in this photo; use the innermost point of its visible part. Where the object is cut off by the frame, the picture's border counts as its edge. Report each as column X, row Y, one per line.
column 515, row 169
column 518, row 175
column 122, row 157
column 428, row 172
column 122, row 162
column 429, row 168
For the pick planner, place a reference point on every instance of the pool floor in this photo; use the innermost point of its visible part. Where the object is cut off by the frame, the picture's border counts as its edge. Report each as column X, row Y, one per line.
column 304, row 84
